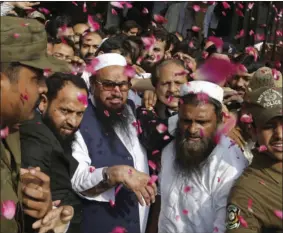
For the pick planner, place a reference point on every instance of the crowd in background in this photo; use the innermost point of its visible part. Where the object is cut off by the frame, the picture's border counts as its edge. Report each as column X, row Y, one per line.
column 141, row 117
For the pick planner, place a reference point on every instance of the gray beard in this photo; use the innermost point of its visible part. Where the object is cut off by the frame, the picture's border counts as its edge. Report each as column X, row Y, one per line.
column 191, row 157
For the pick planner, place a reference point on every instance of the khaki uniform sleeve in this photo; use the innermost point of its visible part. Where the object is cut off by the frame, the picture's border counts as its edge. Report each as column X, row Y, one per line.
column 240, row 218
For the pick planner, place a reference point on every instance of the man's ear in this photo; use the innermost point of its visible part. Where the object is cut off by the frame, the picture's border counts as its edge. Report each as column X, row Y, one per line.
column 43, row 105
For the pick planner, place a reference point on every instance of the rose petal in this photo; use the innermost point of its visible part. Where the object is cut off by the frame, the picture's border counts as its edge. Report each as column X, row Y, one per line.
column 161, row 128
column 245, row 118
column 223, row 13
column 215, row 229
column 187, row 189
column 112, row 203
column 152, row 164
column 243, row 221
column 155, row 152
column 225, row 5
column 250, row 203
column 129, row 71
column 84, row 7
column 251, row 5
column 218, row 179
column 117, row 4
column 76, row 4
column 166, row 137
column 16, row 35
column 262, row 148
column 119, row 230
column 90, row 68
column 240, row 5
column 44, row 10
column 278, row 213
column 148, row 42
column 106, row 113
column 118, row 189
column 145, row 10
column 153, row 179
column 128, row 5
column 196, row 8
column 241, row 34
column 191, row 44
column 218, row 42
column 8, row 209
column 185, row 211
column 114, row 12
column 83, row 99
column 239, row 12
column 195, row 28
column 91, row 169
column 93, row 24
column 4, row 132
column 160, row 19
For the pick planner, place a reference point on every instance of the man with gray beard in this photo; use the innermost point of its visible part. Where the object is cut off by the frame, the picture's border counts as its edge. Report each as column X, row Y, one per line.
column 199, row 167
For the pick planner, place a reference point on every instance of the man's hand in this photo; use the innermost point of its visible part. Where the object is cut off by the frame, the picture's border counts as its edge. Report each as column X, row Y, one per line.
column 36, row 193
column 230, row 96
column 136, row 181
column 56, row 220
column 75, row 60
column 149, row 99
column 24, row 5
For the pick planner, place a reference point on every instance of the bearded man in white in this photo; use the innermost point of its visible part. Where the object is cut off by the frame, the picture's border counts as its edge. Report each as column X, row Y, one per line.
column 197, row 172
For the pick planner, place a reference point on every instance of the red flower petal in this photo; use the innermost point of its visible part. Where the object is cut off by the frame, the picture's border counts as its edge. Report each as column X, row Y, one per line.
column 185, row 211
column 118, row 189
column 153, row 179
column 240, row 35
column 196, row 8
column 106, row 113
column 155, row 152
column 278, row 213
column 119, row 230
column 195, row 28
column 160, row 19
column 91, row 169
column 187, row 189
column 114, row 12
column 90, row 68
column 240, row 5
column 215, row 229
column 204, row 54
column 4, row 132
column 218, row 42
column 251, row 32
column 117, row 4
column 239, row 12
column 8, row 209
column 16, row 35
column 129, row 71
column 223, row 13
column 245, row 118
column 262, row 148
column 112, row 203
column 225, row 5
column 191, row 44
column 161, row 128
column 128, row 5
column 44, row 10
column 218, row 179
column 93, row 24
column 250, row 203
column 250, row 5
column 76, row 4
column 145, row 10
column 243, row 221
column 84, row 7
column 83, row 99
column 152, row 164
column 277, row 64
column 148, row 42
column 166, row 137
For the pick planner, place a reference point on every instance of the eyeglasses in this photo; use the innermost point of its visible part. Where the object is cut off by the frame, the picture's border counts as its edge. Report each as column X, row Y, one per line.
column 109, row 86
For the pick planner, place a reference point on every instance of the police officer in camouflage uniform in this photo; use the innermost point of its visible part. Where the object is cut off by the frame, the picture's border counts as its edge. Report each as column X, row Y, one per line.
column 23, row 59
column 255, row 202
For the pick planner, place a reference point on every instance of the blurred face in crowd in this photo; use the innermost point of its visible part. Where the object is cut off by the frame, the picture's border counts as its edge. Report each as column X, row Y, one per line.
column 132, row 32
column 154, row 55
column 63, row 52
column 240, row 83
column 64, row 114
column 68, row 32
column 169, row 82
column 194, row 138
column 89, row 45
column 20, row 96
column 79, row 29
column 111, row 87
column 270, row 135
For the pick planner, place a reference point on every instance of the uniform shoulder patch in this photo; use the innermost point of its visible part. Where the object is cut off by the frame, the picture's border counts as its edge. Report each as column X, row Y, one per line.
column 232, row 217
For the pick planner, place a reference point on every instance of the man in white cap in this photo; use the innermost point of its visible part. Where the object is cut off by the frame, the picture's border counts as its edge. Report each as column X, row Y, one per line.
column 113, row 169
column 197, row 171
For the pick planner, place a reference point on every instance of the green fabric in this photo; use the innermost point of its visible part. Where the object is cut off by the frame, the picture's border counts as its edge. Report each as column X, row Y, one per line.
column 25, row 41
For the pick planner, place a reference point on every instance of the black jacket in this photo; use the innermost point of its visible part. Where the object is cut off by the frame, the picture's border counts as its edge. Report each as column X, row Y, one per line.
column 41, row 148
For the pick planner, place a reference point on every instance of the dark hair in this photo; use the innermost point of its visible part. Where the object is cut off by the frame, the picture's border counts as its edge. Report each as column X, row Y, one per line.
column 128, row 25
column 112, row 31
column 53, row 25
column 184, row 47
column 159, row 34
column 156, row 73
column 248, row 61
column 57, row 81
column 173, row 40
column 64, row 40
column 193, row 99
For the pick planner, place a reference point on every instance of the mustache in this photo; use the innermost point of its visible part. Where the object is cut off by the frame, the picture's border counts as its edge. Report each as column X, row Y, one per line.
column 187, row 135
column 115, row 97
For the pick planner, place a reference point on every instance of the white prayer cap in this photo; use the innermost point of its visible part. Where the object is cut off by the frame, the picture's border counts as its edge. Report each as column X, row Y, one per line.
column 109, row 59
column 212, row 90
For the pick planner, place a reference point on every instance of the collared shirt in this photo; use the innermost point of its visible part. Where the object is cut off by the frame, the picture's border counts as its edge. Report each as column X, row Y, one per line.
column 203, row 207
column 83, row 180
column 257, row 198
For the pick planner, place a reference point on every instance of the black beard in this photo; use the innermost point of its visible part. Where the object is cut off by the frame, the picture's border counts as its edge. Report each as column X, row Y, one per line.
column 191, row 157
column 118, row 118
column 66, row 141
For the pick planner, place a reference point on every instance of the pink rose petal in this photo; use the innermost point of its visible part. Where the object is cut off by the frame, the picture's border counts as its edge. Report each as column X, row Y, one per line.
column 152, row 164
column 130, row 172
column 90, row 68
column 275, row 74
column 187, row 189
column 119, row 230
column 155, row 152
column 215, row 229
column 277, row 64
column 106, row 113
column 145, row 10
column 226, row 5
column 153, row 179
column 278, row 213
column 148, row 42
column 128, row 5
column 84, row 7
column 46, row 72
column 240, row 5
column 44, row 10
column 243, row 221
column 161, row 128
column 185, row 211
column 114, row 12
column 218, row 42
column 118, row 189
column 4, row 132
column 129, row 71
column 166, row 137
column 76, row 4
column 245, row 118
column 218, row 179
column 191, row 44
column 112, row 203
column 196, row 8
column 251, row 5
column 204, row 54
column 239, row 12
column 250, row 203
column 195, row 28
column 16, row 35
column 251, row 32
column 223, row 13
column 117, row 4
column 8, row 209
column 170, row 99
column 262, row 148
column 93, row 24
column 159, row 19
column 241, row 34
column 83, row 99
column 91, row 169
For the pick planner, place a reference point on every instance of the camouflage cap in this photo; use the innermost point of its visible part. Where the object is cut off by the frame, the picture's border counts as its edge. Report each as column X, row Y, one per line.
column 25, row 41
column 264, row 104
column 263, row 77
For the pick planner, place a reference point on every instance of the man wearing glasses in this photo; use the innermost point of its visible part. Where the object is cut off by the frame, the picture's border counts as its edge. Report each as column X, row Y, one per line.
column 113, row 171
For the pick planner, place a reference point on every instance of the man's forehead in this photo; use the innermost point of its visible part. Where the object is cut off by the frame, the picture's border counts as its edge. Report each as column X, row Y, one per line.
column 112, row 73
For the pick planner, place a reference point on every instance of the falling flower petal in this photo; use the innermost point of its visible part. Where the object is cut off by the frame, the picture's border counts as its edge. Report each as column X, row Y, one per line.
column 218, row 42
column 191, row 44
column 243, row 221
column 76, row 4
column 239, row 12
column 195, row 28
column 204, row 54
column 129, row 71
column 203, row 97
column 250, row 203
column 148, row 42
column 218, row 179
column 240, row 5
column 251, row 32
column 93, row 24
column 118, row 189
column 44, row 10
column 161, row 128
column 185, row 211
column 215, row 229
column 225, row 5
column 225, row 128
column 275, row 74
column 4, row 132
column 153, row 179
column 46, row 72
column 277, row 64
column 259, row 37
column 91, row 169
column 245, row 118
column 181, row 101
column 177, row 217
column 160, row 19
column 278, row 213
column 117, row 4
column 24, row 24
column 251, row 5
column 119, row 230
column 170, row 99
column 155, row 152
column 166, row 137
column 8, row 209
column 240, row 35
column 128, row 5
column 112, row 203
column 114, row 12
column 145, row 10
column 106, row 113
column 251, row 51
column 262, row 182
column 16, row 35
column 187, row 189
column 137, row 124
column 223, row 13
column 84, row 7
column 90, row 68
column 196, row 8
column 262, row 148
column 152, row 164
column 83, row 99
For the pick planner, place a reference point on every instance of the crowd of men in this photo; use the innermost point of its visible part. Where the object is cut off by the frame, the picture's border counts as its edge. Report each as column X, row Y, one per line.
column 137, row 130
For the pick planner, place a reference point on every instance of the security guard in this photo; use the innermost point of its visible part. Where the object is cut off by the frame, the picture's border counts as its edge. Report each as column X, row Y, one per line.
column 255, row 202
column 23, row 59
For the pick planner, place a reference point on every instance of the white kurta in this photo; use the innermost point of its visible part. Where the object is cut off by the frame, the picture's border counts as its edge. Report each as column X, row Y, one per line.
column 203, row 207
column 83, row 179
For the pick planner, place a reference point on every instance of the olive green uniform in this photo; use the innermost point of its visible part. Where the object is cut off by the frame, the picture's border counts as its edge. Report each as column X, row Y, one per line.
column 10, row 185
column 255, row 197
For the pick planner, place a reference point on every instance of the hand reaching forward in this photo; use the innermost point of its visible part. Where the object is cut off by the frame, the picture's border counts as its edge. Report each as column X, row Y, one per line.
column 56, row 220
column 24, row 5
